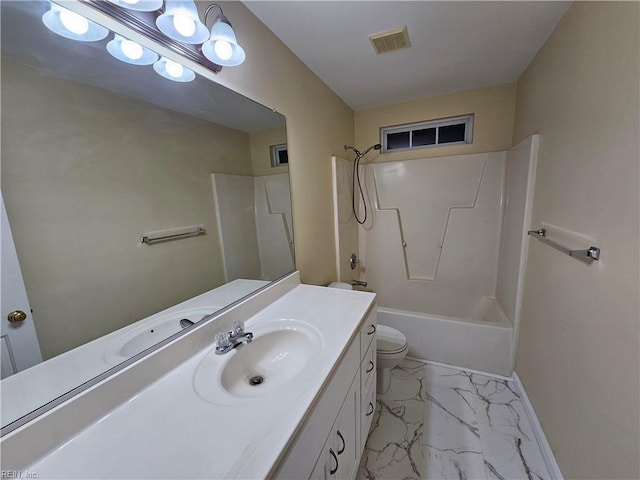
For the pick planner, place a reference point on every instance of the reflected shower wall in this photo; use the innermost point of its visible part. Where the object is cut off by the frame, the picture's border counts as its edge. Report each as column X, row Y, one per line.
column 255, row 212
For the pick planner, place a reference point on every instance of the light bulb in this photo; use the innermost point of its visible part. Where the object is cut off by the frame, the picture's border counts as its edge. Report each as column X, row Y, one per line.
column 73, row 22
column 223, row 49
column 131, row 49
column 174, row 69
column 131, row 2
column 184, row 25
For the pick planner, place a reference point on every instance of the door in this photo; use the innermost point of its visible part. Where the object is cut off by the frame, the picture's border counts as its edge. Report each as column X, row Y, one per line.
column 346, row 431
column 19, row 348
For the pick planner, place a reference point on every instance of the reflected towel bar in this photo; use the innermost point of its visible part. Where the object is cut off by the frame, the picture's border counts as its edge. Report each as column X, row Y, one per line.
column 149, row 239
column 588, row 255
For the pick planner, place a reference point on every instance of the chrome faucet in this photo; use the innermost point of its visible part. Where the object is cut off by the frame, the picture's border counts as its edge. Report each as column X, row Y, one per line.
column 230, row 340
column 358, row 283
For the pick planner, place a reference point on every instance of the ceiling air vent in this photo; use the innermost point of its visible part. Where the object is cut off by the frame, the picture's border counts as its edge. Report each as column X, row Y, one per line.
column 390, row 40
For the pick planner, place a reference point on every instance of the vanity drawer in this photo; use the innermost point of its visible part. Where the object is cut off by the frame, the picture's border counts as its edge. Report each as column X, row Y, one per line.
column 367, row 411
column 368, row 368
column 368, row 331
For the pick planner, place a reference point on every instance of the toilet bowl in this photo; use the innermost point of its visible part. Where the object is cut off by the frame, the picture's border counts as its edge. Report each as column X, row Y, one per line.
column 391, row 346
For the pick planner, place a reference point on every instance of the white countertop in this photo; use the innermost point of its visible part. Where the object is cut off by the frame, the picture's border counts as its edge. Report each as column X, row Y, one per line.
column 169, row 431
column 27, row 390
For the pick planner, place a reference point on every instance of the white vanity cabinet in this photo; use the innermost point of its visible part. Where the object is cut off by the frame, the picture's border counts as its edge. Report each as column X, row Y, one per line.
column 340, row 455
column 330, row 442
column 367, row 377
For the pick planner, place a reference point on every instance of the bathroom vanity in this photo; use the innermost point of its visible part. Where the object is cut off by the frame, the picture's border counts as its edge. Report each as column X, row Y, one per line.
column 185, row 412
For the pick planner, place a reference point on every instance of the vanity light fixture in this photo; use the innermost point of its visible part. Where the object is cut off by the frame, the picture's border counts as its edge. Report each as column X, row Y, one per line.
column 131, row 52
column 71, row 25
column 180, row 22
column 173, row 70
column 222, row 46
column 177, row 26
column 139, row 5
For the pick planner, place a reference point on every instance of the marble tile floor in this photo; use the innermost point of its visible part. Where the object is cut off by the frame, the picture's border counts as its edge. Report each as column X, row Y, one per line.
column 442, row 423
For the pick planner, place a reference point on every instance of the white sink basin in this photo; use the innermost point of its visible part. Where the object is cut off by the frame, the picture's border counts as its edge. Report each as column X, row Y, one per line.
column 277, row 359
column 137, row 338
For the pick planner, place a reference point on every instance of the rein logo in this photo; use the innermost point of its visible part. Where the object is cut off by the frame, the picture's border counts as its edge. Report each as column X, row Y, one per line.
column 17, row 474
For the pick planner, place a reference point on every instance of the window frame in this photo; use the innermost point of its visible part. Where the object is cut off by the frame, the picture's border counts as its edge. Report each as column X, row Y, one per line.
column 275, row 155
column 467, row 120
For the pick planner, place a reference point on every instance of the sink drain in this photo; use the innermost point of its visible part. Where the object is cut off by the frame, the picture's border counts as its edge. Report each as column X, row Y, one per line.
column 257, row 380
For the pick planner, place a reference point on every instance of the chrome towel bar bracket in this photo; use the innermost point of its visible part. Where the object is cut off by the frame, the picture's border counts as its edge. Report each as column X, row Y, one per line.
column 587, row 255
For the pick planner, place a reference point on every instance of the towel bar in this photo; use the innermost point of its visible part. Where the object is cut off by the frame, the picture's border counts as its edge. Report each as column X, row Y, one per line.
column 150, row 239
column 588, row 255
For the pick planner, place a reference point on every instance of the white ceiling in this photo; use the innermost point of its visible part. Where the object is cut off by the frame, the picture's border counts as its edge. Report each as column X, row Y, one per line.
column 456, row 46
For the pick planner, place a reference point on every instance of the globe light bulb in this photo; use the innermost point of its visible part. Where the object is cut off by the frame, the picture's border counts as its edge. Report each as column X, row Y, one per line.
column 131, row 49
column 174, row 69
column 184, row 25
column 73, row 22
column 223, row 49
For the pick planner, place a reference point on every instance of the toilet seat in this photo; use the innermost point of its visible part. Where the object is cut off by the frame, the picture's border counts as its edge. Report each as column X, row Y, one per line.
column 390, row 341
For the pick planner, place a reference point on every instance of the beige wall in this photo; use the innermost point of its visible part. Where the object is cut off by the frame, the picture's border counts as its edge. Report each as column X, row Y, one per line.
column 261, row 143
column 319, row 123
column 84, row 174
column 578, row 354
column 493, row 110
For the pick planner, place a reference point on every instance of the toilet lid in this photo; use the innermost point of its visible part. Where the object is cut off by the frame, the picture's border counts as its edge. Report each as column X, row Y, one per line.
column 389, row 339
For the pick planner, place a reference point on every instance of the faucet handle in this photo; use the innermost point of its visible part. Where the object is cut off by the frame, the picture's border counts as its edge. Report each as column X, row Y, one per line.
column 238, row 328
column 222, row 340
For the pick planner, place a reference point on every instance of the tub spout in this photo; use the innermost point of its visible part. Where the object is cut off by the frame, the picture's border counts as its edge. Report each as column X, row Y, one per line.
column 358, row 283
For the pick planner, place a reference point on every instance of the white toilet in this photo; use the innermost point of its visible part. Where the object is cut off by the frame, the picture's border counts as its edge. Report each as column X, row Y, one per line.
column 392, row 347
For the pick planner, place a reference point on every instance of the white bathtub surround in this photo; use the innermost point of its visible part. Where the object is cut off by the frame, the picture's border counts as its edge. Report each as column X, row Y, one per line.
column 432, row 242
column 344, row 223
column 520, row 178
column 437, row 422
column 167, row 429
column 475, row 344
column 446, row 242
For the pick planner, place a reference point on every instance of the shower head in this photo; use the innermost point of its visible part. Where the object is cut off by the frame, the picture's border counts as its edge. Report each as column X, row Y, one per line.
column 377, row 146
column 349, row 147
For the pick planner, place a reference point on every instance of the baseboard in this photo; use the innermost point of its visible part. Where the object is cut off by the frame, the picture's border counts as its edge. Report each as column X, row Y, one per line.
column 545, row 448
column 455, row 367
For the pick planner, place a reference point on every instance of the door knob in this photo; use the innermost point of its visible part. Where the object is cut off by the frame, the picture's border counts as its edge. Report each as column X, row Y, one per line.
column 17, row 316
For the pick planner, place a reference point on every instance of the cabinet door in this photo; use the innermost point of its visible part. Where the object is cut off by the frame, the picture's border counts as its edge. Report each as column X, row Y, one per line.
column 346, row 433
column 367, row 412
column 321, row 470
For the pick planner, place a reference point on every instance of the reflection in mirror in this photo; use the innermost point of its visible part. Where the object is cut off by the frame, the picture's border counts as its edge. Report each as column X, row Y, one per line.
column 96, row 154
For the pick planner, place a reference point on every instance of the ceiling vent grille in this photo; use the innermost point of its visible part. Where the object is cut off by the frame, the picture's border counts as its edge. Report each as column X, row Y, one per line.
column 390, row 40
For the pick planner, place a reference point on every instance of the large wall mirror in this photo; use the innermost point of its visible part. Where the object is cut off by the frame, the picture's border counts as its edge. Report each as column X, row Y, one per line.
column 97, row 154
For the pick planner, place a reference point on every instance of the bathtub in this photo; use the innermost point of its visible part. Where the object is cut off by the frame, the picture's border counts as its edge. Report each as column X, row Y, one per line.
column 482, row 342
